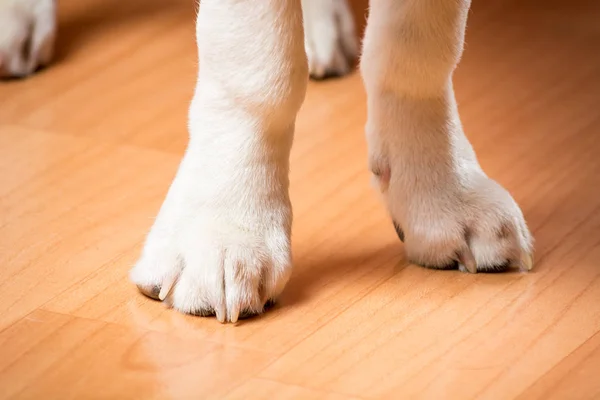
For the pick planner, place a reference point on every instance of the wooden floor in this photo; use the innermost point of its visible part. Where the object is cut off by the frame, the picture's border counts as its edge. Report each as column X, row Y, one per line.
column 89, row 147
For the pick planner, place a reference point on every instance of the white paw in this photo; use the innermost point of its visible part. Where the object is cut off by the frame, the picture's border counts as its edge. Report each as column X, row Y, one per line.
column 329, row 37
column 221, row 242
column 27, row 31
column 445, row 209
column 479, row 228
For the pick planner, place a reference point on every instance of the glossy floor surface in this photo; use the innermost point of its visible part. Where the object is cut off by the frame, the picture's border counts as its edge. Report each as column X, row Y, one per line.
column 89, row 146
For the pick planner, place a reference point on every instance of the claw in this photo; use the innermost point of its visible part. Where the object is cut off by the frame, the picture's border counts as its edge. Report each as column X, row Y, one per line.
column 527, row 261
column 221, row 311
column 166, row 287
column 399, row 231
column 220, row 314
column 234, row 314
column 467, row 261
column 149, row 291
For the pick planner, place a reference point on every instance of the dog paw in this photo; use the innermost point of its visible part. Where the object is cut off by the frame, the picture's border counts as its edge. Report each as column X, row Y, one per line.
column 447, row 212
column 221, row 242
column 329, row 37
column 480, row 228
column 27, row 32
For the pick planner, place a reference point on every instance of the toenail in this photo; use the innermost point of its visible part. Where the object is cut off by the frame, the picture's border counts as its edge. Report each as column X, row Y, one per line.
column 151, row 291
column 399, row 231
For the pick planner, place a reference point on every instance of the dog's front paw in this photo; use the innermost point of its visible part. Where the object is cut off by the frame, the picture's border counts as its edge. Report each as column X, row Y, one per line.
column 221, row 242
column 27, row 32
column 476, row 228
column 445, row 209
column 329, row 37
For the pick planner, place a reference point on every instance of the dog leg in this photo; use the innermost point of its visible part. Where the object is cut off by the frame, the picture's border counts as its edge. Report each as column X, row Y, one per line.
column 446, row 210
column 221, row 242
column 27, row 32
column 329, row 37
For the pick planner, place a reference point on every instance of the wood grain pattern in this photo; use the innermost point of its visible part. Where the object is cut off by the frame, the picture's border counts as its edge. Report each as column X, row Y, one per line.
column 89, row 146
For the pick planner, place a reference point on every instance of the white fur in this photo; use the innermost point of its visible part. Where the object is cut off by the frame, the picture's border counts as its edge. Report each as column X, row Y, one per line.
column 221, row 241
column 27, row 32
column 224, row 228
column 431, row 181
column 329, row 37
